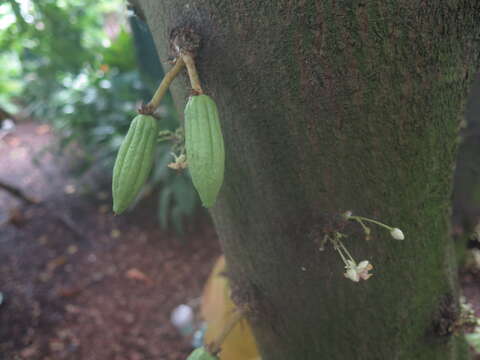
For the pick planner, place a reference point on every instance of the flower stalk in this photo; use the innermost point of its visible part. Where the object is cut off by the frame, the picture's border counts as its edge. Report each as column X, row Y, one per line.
column 187, row 58
column 353, row 270
column 396, row 233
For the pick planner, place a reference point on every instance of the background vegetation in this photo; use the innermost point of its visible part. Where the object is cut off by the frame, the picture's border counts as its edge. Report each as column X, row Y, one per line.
column 73, row 63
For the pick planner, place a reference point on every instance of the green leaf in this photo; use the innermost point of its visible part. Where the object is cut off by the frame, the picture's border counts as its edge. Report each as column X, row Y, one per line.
column 473, row 340
column 201, row 354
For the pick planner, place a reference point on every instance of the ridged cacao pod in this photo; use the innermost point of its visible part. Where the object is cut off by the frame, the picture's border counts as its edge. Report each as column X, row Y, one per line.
column 204, row 146
column 134, row 161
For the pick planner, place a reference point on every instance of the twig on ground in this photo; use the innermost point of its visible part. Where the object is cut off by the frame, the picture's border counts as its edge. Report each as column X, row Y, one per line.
column 18, row 193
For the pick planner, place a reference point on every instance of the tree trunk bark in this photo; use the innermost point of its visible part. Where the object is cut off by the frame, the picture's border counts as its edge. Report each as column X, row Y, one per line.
column 328, row 106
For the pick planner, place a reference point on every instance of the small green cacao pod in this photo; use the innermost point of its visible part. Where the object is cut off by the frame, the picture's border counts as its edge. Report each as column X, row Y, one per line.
column 204, row 146
column 134, row 161
column 201, row 354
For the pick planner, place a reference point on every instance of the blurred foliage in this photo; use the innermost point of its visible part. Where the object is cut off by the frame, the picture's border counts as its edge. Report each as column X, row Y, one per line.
column 473, row 340
column 73, row 64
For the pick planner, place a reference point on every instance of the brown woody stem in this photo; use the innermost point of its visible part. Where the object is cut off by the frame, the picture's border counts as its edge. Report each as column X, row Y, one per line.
column 163, row 87
column 192, row 72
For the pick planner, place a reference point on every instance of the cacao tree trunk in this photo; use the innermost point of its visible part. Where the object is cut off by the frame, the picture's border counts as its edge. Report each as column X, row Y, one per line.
column 328, row 106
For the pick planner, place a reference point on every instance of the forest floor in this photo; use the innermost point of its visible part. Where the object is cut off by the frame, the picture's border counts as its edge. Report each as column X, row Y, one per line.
column 78, row 283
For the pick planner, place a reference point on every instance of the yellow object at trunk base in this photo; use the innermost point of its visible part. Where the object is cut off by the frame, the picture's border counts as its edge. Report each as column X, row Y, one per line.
column 217, row 308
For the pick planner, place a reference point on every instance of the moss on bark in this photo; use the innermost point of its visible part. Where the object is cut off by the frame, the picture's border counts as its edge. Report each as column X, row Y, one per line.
column 329, row 106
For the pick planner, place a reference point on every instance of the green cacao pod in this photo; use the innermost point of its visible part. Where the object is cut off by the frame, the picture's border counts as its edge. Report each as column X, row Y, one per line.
column 134, row 161
column 201, row 354
column 204, row 146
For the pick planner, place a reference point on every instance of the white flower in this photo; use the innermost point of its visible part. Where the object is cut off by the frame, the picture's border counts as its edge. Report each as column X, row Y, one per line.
column 363, row 268
column 347, row 214
column 397, row 234
column 358, row 272
column 352, row 275
column 179, row 164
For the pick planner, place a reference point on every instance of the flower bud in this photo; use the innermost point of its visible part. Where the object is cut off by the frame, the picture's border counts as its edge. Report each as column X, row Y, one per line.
column 397, row 234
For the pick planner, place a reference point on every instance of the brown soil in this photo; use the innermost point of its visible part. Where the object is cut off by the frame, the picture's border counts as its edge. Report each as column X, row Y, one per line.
column 79, row 283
